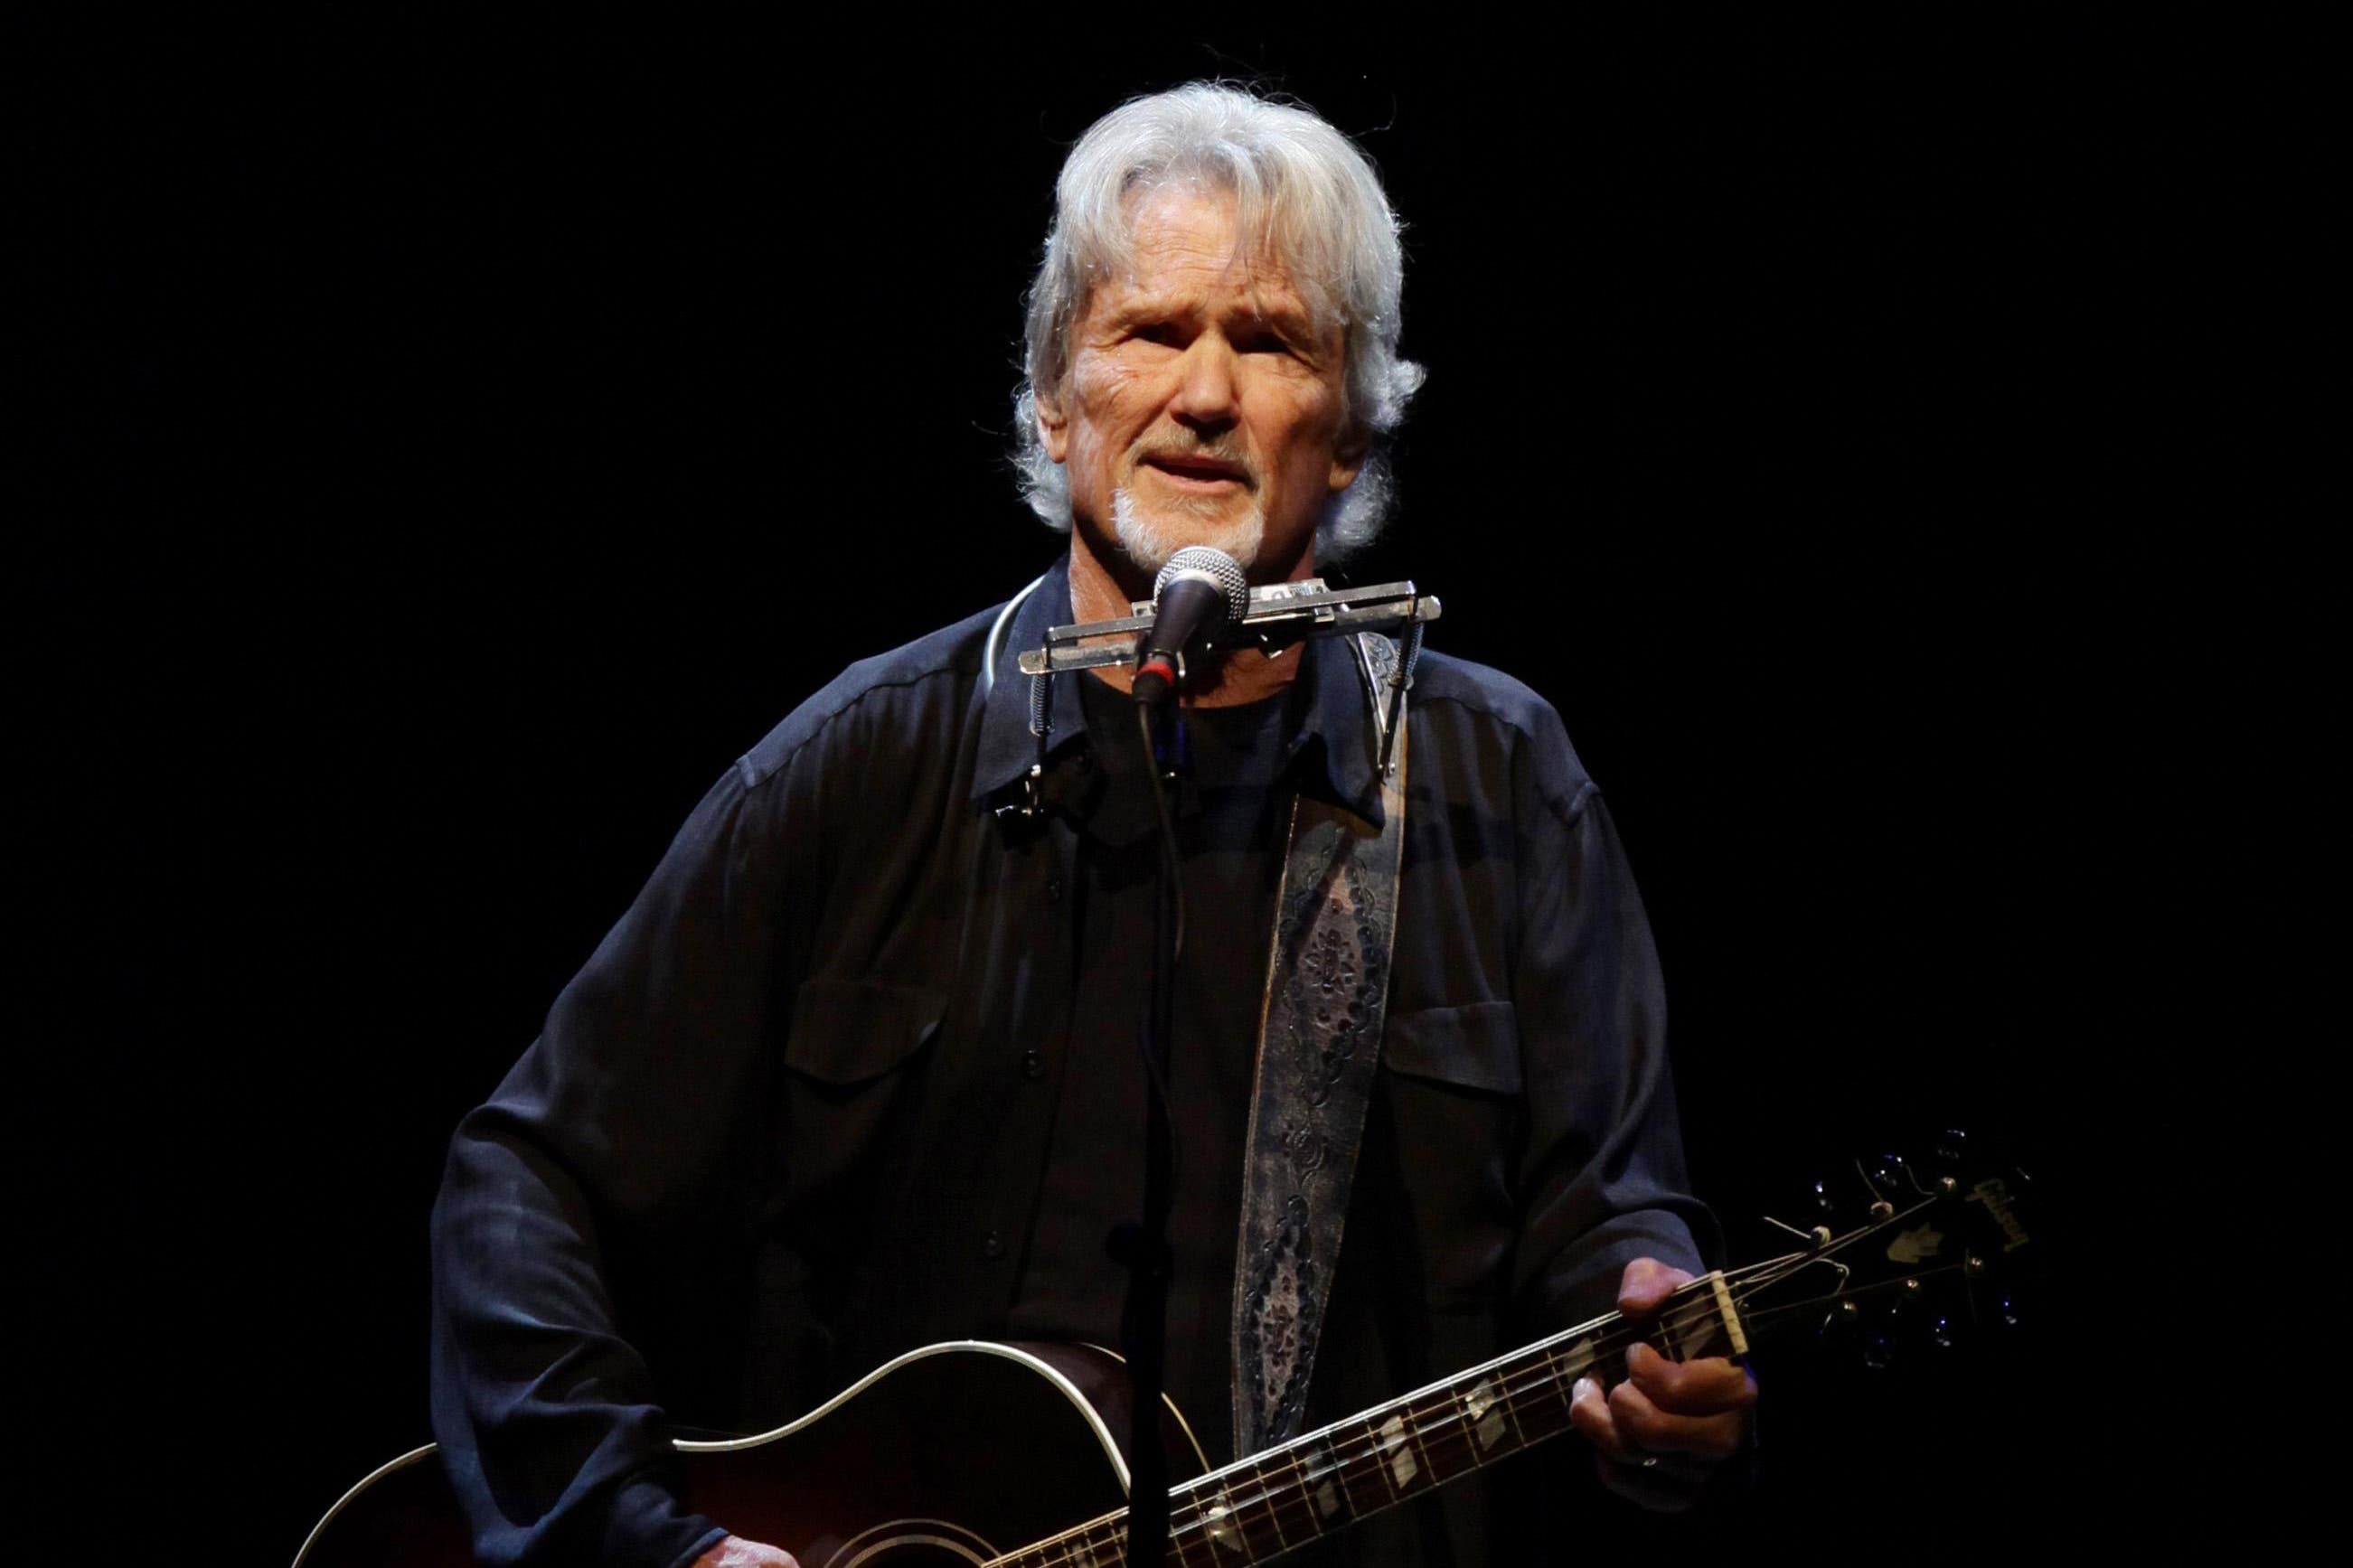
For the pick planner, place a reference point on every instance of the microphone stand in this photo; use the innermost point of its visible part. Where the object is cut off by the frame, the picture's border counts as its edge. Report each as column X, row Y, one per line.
column 1145, row 1321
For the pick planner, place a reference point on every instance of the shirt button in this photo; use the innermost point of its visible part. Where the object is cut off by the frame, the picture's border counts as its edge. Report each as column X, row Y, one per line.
column 1053, row 889
column 1033, row 1064
column 992, row 1246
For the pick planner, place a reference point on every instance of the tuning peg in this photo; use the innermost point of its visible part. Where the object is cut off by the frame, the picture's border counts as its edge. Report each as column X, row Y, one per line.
column 1940, row 1333
column 1952, row 1148
column 1882, row 1177
column 1817, row 1238
column 1823, row 1203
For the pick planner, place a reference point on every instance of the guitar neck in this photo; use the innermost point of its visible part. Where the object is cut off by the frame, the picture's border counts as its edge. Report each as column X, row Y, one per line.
column 1260, row 1507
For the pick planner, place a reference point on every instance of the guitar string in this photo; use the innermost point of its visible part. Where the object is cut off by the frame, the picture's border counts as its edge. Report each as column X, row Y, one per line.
column 1538, row 1377
column 1546, row 1366
column 1195, row 1522
column 1540, row 1383
column 1335, row 1464
column 1547, row 1370
column 1191, row 1521
column 1540, row 1374
column 1547, row 1362
column 1551, row 1355
column 1782, row 1309
column 1543, row 1375
column 1188, row 1510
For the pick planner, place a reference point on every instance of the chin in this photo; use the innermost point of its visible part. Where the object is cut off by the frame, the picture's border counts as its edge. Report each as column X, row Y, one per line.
column 1150, row 535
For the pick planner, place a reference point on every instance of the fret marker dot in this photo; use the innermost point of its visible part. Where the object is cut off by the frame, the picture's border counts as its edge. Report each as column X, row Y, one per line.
column 1402, row 1461
column 1488, row 1421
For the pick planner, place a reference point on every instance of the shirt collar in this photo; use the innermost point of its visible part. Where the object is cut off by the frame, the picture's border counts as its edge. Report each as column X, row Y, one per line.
column 1332, row 747
column 1007, row 747
column 1335, row 745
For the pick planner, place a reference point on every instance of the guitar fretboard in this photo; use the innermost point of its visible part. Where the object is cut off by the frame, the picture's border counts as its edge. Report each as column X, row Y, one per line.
column 1261, row 1507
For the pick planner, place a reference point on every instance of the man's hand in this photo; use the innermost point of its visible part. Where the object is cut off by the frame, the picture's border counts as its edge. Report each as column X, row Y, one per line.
column 737, row 1552
column 1658, row 1435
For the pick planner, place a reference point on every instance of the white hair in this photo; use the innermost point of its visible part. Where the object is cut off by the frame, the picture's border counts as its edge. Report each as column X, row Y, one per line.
column 1299, row 185
column 1150, row 541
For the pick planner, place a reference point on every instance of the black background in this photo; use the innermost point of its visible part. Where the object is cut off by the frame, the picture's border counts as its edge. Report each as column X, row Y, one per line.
column 469, row 447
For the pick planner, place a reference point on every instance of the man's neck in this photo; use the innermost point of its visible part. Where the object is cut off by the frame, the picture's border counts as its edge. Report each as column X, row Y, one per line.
column 1229, row 681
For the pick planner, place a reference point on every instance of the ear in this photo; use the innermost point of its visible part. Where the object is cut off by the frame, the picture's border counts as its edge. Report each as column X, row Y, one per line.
column 1347, row 462
column 1053, row 424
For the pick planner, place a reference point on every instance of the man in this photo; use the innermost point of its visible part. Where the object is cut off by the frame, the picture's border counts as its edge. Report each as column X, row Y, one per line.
column 857, row 1071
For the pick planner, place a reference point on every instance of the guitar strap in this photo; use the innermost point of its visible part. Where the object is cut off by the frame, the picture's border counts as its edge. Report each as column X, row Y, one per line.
column 1319, row 1041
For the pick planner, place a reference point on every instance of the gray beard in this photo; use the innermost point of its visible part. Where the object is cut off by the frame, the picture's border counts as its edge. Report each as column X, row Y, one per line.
column 1150, row 541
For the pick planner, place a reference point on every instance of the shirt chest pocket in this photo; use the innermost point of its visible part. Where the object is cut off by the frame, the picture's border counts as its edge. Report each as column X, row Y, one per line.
column 1474, row 1048
column 1451, row 1079
column 854, row 1055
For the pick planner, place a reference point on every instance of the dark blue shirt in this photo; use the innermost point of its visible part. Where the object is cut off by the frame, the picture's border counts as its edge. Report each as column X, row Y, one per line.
column 798, row 1112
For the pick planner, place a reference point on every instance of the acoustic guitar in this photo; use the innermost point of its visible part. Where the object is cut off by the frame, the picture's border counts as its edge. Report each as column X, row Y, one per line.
column 974, row 1454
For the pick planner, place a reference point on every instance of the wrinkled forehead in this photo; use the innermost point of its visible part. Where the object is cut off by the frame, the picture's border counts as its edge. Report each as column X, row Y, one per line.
column 1255, row 237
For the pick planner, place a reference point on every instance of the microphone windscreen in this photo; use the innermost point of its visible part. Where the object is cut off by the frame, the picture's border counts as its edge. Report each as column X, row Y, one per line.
column 1219, row 568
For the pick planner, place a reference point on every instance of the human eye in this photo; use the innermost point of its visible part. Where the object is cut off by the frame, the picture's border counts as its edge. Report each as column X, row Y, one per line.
column 1278, row 334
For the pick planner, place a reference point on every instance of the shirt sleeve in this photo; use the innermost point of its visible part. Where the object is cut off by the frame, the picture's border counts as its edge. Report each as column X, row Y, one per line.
column 622, row 1148
column 1602, row 1169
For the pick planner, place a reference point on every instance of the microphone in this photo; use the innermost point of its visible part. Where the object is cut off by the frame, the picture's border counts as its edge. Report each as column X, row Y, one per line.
column 1197, row 595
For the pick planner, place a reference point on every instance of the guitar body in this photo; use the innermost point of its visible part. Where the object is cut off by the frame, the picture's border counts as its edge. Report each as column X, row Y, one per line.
column 942, row 1458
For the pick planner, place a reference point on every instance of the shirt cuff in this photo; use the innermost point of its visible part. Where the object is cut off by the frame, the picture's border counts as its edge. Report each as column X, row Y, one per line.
column 645, row 1525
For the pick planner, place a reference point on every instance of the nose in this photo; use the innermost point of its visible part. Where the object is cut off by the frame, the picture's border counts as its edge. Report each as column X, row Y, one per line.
column 1207, row 398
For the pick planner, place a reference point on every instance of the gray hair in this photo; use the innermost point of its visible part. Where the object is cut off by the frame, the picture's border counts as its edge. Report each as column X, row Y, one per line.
column 1300, row 186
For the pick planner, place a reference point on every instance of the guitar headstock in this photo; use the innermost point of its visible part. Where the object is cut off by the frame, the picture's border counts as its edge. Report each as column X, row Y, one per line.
column 1897, row 1254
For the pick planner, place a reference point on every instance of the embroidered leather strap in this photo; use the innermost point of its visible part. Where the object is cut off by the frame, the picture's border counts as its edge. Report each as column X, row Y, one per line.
column 1319, row 1041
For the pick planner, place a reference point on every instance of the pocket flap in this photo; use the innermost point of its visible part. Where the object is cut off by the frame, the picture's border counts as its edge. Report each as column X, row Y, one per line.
column 1475, row 1046
column 847, row 1031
